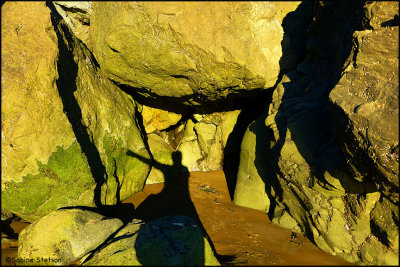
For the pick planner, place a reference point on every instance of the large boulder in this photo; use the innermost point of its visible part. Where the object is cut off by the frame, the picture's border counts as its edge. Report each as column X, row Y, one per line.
column 65, row 128
column 64, row 236
column 189, row 53
column 291, row 164
column 172, row 240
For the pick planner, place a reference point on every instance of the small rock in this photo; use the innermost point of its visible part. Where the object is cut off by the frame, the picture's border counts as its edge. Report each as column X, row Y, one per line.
column 65, row 235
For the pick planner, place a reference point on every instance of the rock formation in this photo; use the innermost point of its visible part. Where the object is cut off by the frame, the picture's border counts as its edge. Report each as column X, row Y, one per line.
column 291, row 163
column 65, row 128
column 296, row 101
column 161, row 50
column 64, row 236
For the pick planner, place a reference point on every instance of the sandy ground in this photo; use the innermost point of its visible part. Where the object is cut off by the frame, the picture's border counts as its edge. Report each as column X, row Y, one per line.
column 240, row 236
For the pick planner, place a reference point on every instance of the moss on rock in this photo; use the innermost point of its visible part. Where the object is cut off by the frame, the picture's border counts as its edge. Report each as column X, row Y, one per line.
column 59, row 183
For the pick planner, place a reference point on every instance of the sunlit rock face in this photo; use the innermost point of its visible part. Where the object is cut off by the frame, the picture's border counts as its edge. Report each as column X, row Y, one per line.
column 65, row 129
column 189, row 52
column 302, row 163
column 202, row 140
column 156, row 120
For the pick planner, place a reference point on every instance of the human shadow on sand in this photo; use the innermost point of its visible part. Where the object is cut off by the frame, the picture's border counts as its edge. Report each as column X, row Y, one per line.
column 173, row 200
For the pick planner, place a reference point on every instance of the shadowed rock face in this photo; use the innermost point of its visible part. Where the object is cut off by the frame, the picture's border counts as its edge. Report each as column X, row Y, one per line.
column 292, row 164
column 366, row 102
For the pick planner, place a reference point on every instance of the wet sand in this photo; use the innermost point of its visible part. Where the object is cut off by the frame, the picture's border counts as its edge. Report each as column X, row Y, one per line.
column 241, row 236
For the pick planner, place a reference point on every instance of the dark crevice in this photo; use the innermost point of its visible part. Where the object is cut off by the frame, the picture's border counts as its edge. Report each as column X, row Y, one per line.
column 139, row 122
column 7, row 229
column 184, row 105
column 187, row 116
column 180, row 77
column 305, row 108
column 66, row 85
column 293, row 51
column 379, row 233
column 113, row 49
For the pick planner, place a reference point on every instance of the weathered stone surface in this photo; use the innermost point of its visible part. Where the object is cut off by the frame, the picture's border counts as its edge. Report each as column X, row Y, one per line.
column 291, row 165
column 155, row 120
column 201, row 139
column 64, row 236
column 202, row 142
column 366, row 101
column 334, row 210
column 65, row 129
column 172, row 240
column 161, row 49
column 250, row 189
column 120, row 250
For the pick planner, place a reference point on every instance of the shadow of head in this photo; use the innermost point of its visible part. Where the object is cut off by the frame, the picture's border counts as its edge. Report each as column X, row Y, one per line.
column 177, row 158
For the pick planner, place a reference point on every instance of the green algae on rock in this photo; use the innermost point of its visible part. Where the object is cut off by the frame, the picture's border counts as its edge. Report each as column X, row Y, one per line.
column 63, row 180
column 65, row 235
column 70, row 149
